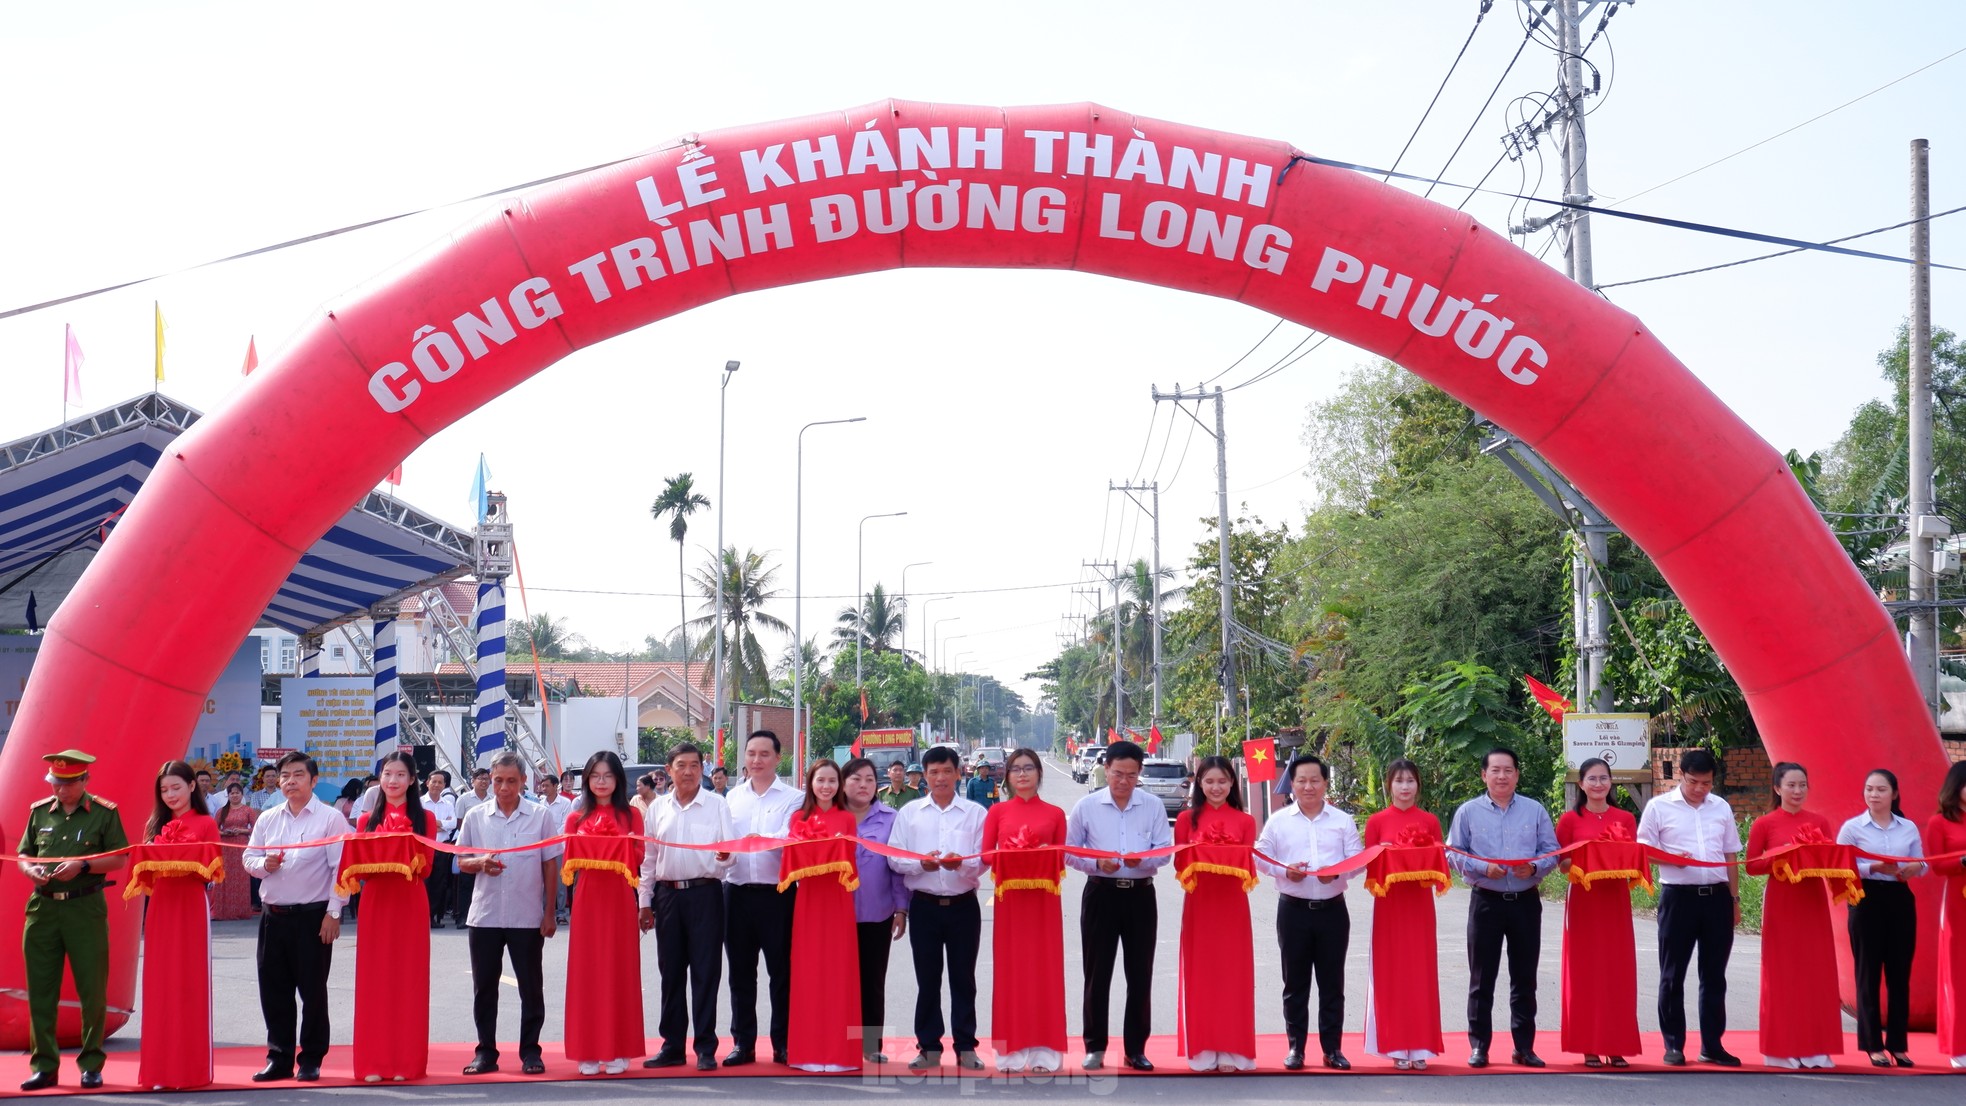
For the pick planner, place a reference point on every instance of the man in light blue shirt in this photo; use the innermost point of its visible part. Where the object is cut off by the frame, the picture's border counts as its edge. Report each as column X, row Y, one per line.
column 1503, row 825
column 1118, row 907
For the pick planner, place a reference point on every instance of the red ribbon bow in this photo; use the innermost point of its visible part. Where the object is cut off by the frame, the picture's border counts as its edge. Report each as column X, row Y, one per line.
column 1024, row 838
column 1809, row 833
column 809, row 828
column 174, row 832
column 1215, row 833
column 1414, row 837
column 1616, row 831
column 601, row 822
column 396, row 819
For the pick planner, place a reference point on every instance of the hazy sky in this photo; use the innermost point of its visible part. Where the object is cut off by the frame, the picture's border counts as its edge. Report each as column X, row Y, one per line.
column 143, row 139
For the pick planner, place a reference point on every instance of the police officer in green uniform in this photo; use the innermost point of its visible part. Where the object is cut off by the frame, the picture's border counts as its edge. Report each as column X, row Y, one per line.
column 66, row 914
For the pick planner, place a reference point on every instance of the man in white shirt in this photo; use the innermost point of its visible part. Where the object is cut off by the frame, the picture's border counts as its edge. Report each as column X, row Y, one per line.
column 1698, row 906
column 437, row 887
column 946, row 921
column 557, row 806
column 300, row 917
column 1118, row 911
column 1314, row 929
column 511, row 911
column 757, row 916
column 464, row 882
column 683, row 902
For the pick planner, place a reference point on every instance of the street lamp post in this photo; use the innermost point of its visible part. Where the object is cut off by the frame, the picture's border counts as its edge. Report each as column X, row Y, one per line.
column 958, row 701
column 904, row 602
column 798, row 592
column 859, row 596
column 723, row 580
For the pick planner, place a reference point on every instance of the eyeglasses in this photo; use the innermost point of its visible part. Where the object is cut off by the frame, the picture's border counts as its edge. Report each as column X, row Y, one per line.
column 1023, row 768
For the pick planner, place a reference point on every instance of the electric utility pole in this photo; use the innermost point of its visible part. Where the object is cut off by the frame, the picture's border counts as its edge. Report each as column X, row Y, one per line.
column 1922, row 644
column 1223, row 566
column 1590, row 607
column 1119, row 692
column 1153, row 594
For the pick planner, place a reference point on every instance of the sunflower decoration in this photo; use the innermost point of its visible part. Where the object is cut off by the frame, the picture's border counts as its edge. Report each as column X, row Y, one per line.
column 230, row 762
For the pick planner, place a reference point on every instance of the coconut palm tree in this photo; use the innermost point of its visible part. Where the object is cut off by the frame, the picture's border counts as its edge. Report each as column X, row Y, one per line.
column 878, row 624
column 679, row 500
column 542, row 634
column 747, row 585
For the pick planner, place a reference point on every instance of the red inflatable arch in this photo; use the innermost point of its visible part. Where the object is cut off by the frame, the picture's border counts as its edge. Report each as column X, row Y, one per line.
column 229, row 510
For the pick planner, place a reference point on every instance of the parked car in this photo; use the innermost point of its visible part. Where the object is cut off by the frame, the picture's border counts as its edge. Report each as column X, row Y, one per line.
column 1082, row 764
column 995, row 755
column 1166, row 780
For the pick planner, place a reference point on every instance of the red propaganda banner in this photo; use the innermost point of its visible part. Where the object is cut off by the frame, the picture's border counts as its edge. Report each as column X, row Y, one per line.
column 1260, row 756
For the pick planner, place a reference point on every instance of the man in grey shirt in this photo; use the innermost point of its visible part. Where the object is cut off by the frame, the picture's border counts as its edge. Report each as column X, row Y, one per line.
column 1505, row 908
column 511, row 910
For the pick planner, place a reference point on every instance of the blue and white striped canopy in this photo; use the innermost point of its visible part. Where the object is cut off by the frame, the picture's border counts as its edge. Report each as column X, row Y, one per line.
column 61, row 492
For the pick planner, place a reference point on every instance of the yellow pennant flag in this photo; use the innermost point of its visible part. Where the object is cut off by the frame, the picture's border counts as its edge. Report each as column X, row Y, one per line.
column 159, row 312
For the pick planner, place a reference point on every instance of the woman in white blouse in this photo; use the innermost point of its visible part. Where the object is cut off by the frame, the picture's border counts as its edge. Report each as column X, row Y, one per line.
column 1884, row 925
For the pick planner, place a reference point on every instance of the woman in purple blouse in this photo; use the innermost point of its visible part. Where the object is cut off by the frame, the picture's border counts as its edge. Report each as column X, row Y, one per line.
column 880, row 906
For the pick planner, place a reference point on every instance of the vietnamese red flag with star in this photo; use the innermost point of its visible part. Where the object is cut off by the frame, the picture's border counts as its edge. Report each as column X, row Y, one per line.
column 856, row 746
column 1549, row 700
column 1153, row 741
column 1260, row 756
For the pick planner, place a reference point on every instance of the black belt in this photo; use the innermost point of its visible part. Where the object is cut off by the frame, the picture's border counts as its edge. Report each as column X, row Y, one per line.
column 293, row 908
column 1505, row 896
column 1313, row 904
column 1702, row 889
column 686, row 884
column 927, row 899
column 1141, row 884
column 63, row 896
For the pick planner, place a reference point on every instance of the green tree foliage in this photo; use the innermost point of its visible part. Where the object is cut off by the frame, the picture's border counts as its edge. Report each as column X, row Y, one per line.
column 748, row 585
column 879, row 624
column 679, row 500
column 1867, row 462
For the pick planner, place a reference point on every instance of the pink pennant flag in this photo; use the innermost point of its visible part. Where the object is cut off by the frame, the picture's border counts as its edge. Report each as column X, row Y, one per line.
column 396, row 476
column 252, row 357
column 71, row 383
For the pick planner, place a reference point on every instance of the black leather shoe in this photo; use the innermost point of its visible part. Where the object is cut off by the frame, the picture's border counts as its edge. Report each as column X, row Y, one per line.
column 91, row 1080
column 1674, row 1058
column 1903, row 1060
column 777, row 1055
column 40, row 1081
column 308, row 1075
column 664, row 1060
column 1139, row 1063
column 924, row 1061
column 272, row 1072
column 706, row 1062
column 1720, row 1059
column 538, row 1067
column 1526, row 1060
column 1094, row 1061
column 969, row 1061
column 481, row 1067
column 1478, row 1058
column 1337, row 1061
column 1294, row 1061
column 739, row 1057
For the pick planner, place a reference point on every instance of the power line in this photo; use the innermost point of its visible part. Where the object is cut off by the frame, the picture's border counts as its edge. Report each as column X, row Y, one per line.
column 1479, row 16
column 1797, row 127
column 317, row 237
column 1779, row 253
column 1491, row 98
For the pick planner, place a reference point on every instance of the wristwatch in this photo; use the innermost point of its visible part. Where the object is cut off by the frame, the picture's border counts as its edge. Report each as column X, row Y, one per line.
column 85, row 867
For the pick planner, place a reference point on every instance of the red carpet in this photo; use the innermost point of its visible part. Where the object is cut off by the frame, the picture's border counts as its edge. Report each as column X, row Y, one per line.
column 235, row 1066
